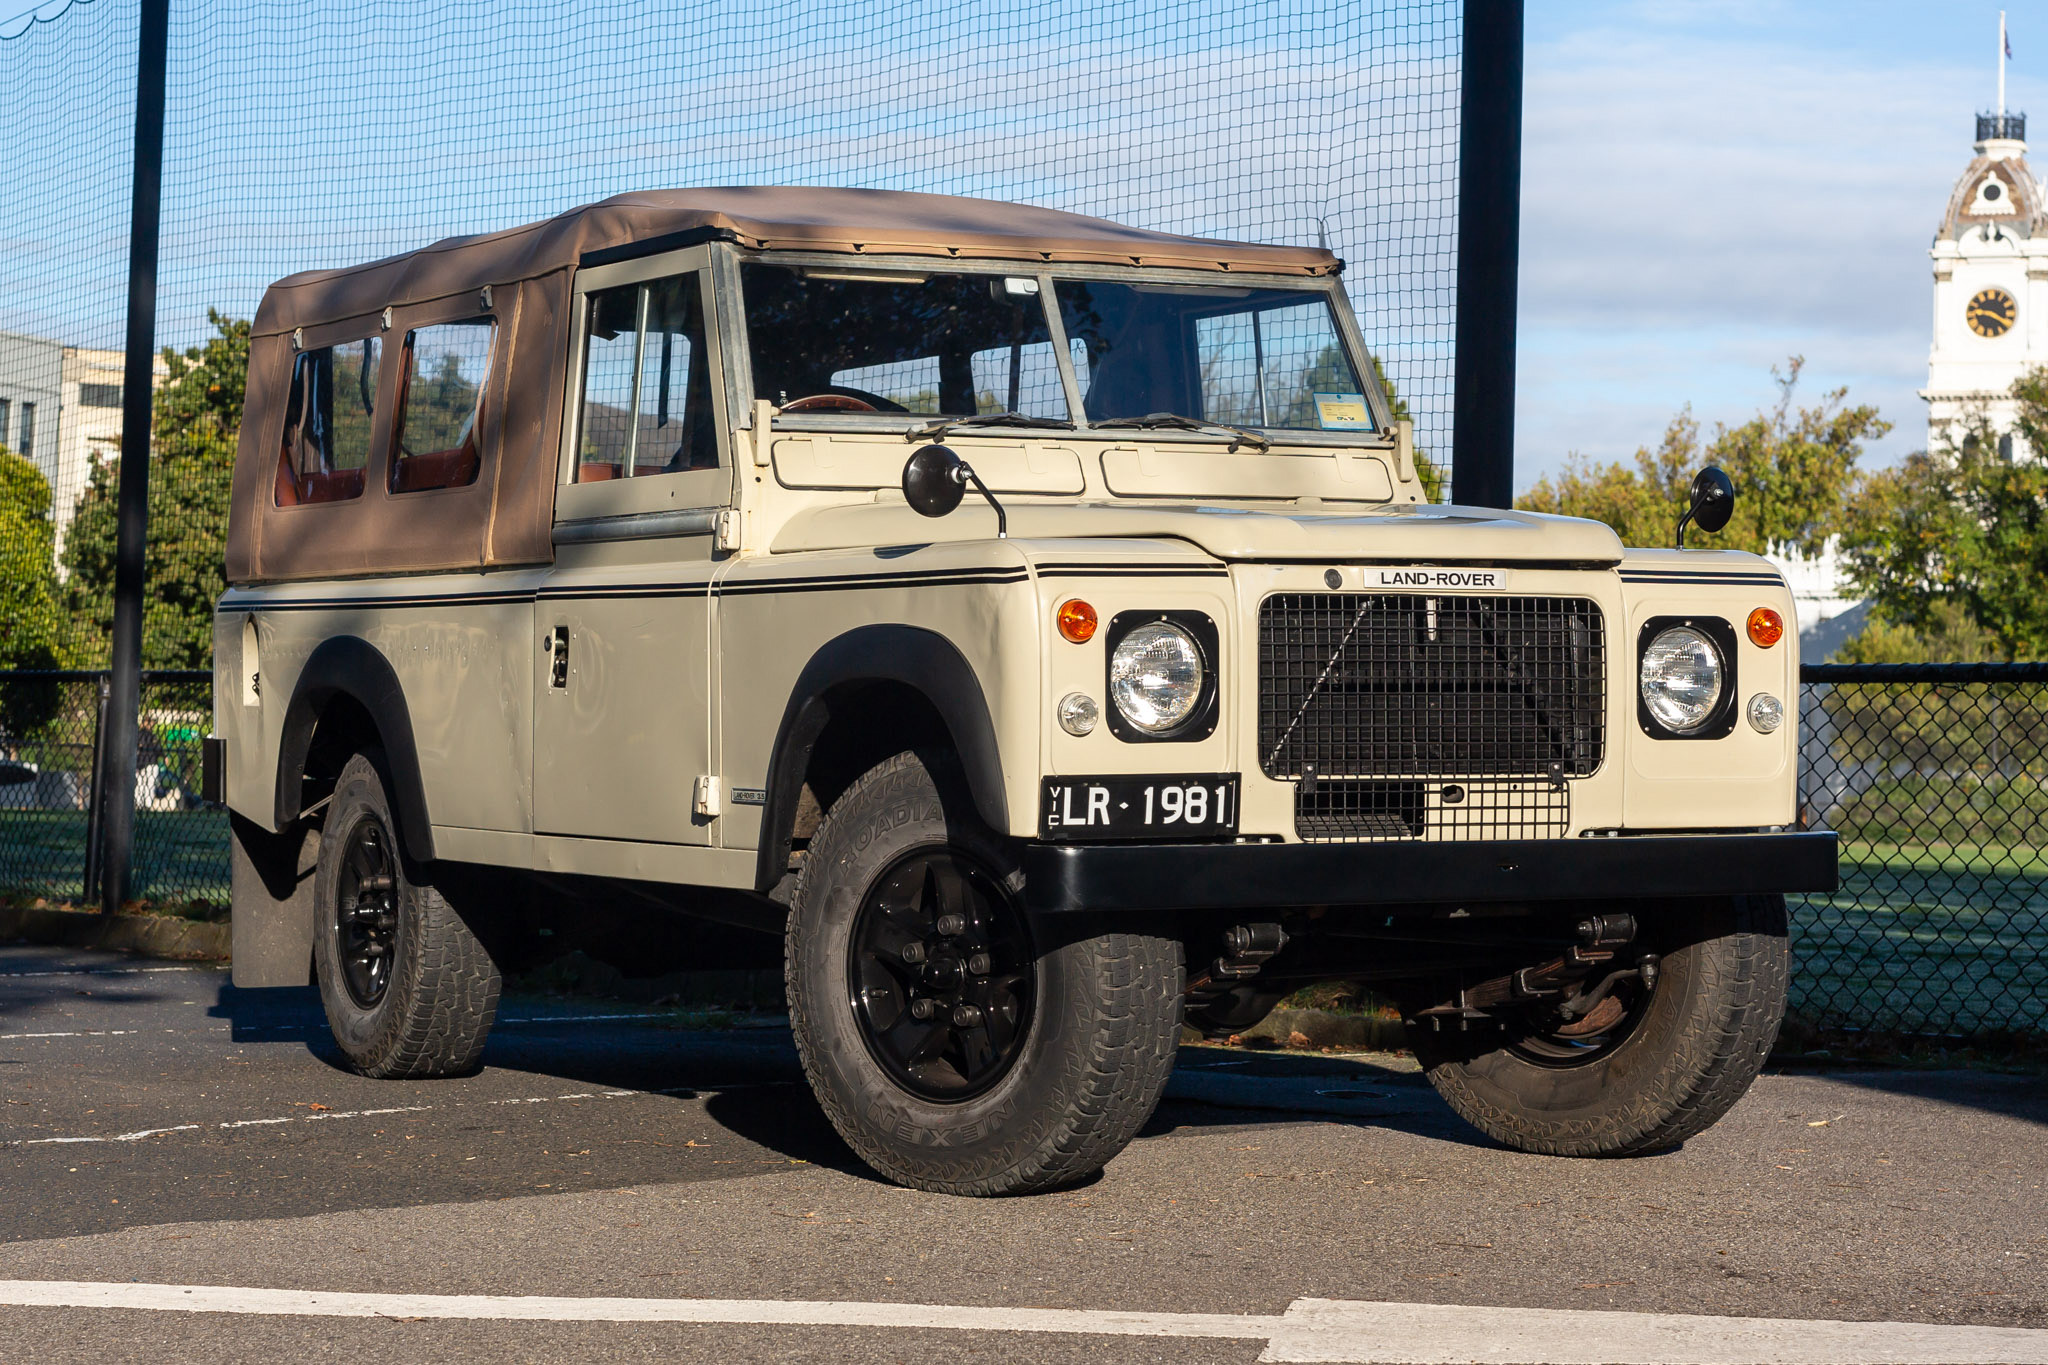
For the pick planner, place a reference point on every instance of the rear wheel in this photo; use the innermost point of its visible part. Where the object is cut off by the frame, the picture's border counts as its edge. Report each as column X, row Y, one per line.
column 957, row 1046
column 1648, row 1066
column 409, row 990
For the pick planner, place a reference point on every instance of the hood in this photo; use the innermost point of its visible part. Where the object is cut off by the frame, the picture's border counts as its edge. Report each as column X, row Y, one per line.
column 1401, row 532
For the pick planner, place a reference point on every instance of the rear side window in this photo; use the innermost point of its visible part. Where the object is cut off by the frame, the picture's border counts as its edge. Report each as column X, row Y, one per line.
column 440, row 403
column 326, row 442
column 646, row 383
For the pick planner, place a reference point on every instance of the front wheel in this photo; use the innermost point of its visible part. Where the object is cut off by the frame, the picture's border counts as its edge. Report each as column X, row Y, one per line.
column 1648, row 1068
column 955, row 1045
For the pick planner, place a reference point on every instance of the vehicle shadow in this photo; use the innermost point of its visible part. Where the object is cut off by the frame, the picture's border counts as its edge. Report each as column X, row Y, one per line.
column 753, row 1085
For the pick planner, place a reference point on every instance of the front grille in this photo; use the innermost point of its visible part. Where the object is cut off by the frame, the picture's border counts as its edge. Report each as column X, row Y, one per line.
column 1358, row 691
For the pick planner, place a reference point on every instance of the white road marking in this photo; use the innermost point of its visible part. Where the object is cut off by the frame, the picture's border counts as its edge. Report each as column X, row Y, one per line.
column 291, row 1028
column 112, row 971
column 1311, row 1330
column 680, row 1091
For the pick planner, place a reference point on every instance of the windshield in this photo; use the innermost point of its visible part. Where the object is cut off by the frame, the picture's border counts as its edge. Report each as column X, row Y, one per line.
column 1249, row 357
column 937, row 345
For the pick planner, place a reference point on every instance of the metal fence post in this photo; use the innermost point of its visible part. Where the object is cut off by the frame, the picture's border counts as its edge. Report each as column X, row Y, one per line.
column 95, row 801
column 124, row 697
column 1489, row 236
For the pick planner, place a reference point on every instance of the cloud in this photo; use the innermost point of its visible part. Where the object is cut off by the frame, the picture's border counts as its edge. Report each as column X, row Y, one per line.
column 1697, row 208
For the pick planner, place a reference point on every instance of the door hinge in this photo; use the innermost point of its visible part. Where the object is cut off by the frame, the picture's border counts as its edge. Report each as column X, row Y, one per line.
column 727, row 536
column 710, row 800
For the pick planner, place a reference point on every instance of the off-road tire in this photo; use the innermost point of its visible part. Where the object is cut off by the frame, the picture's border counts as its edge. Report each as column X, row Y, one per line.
column 1104, row 1028
column 442, row 993
column 1701, row 1038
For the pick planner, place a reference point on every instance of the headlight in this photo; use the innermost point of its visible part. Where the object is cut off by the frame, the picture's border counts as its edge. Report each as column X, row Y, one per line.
column 1681, row 679
column 1155, row 676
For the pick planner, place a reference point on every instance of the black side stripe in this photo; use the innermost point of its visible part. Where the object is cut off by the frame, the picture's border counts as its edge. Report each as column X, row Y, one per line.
column 937, row 579
column 1132, row 571
column 380, row 603
column 625, row 590
column 1702, row 578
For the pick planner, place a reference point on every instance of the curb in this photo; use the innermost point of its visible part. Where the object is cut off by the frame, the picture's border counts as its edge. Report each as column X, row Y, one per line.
column 1317, row 1029
column 148, row 935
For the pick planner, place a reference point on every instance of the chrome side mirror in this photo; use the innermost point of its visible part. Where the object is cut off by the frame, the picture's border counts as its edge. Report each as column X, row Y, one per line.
column 1711, row 504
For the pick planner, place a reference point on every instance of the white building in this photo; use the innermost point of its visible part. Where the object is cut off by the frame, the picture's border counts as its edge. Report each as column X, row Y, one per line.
column 1990, row 285
column 60, row 408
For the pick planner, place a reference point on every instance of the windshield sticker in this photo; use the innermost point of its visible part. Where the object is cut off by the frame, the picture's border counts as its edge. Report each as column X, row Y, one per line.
column 1343, row 412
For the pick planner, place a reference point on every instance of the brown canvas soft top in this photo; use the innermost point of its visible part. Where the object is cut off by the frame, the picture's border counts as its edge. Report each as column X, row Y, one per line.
column 868, row 222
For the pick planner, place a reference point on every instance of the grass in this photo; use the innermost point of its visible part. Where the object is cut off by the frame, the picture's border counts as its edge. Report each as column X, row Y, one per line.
column 180, row 856
column 1927, row 940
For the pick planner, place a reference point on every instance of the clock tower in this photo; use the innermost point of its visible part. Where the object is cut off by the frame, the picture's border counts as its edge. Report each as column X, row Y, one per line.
column 1990, row 284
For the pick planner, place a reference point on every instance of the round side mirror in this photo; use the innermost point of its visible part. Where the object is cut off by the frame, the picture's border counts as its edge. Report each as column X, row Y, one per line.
column 1713, row 499
column 932, row 481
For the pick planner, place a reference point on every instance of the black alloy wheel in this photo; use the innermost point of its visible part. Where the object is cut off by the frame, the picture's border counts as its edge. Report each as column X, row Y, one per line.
column 366, row 912
column 941, row 975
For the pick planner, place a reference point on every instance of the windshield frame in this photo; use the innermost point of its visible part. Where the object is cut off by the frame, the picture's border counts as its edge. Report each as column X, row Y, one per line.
column 739, row 355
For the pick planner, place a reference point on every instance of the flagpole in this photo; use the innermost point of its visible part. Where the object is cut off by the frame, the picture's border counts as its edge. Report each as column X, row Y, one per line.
column 2001, row 73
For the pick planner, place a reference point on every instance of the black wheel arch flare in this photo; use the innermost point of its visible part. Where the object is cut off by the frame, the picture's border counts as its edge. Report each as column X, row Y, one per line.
column 923, row 660
column 349, row 666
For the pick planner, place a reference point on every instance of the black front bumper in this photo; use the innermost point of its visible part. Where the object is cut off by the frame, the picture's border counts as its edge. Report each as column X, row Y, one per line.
column 1067, row 877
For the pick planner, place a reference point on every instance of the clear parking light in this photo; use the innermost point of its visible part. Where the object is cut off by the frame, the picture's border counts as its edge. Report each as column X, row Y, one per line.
column 1766, row 713
column 1078, row 713
column 1681, row 679
column 1155, row 676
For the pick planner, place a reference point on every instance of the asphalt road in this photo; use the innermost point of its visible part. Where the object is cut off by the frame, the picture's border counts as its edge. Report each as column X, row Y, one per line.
column 161, row 1128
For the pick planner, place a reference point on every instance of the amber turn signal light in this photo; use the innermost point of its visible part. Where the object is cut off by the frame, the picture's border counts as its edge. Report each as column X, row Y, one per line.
column 1766, row 627
column 1077, row 620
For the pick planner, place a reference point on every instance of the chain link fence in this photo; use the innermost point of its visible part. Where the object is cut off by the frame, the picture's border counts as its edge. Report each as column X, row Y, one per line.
column 51, row 724
column 1935, row 777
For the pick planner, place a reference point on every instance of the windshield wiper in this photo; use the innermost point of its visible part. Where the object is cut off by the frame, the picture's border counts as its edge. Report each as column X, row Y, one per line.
column 1174, row 421
column 937, row 431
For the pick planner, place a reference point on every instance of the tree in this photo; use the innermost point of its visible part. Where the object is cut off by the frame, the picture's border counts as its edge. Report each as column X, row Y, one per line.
column 1961, row 534
column 31, row 626
column 196, row 420
column 1946, row 636
column 1794, row 472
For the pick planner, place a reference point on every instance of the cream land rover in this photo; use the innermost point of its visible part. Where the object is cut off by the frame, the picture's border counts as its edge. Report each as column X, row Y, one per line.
column 1032, row 628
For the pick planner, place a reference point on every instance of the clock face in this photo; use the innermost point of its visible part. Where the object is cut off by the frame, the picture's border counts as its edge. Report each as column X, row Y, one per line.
column 1991, row 312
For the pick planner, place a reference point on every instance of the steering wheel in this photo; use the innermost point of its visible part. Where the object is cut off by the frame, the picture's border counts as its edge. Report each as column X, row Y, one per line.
column 841, row 399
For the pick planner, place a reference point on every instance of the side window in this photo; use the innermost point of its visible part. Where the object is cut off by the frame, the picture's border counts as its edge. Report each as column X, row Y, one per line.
column 326, row 443
column 440, row 402
column 646, row 383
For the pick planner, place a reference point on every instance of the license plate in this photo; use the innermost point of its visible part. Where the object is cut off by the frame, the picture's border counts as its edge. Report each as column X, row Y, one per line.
column 1180, row 806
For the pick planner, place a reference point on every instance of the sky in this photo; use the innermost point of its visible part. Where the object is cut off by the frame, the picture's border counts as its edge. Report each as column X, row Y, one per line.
column 1712, row 186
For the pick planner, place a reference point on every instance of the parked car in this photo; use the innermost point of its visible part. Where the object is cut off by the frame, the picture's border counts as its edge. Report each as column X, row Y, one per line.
column 1034, row 629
